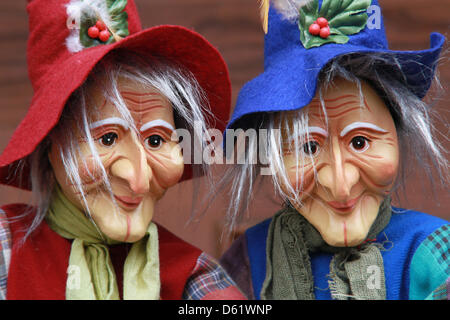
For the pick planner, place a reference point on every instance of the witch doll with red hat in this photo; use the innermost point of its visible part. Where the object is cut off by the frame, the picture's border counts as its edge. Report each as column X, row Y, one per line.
column 338, row 120
column 98, row 148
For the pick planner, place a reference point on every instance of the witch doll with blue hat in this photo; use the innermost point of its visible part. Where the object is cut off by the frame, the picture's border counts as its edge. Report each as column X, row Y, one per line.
column 98, row 148
column 338, row 120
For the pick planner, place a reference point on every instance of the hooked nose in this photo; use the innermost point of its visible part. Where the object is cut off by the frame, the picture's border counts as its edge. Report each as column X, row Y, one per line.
column 133, row 168
column 338, row 176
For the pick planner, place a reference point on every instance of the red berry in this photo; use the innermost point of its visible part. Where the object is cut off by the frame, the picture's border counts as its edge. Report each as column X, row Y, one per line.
column 104, row 35
column 325, row 32
column 100, row 25
column 314, row 29
column 322, row 22
column 93, row 32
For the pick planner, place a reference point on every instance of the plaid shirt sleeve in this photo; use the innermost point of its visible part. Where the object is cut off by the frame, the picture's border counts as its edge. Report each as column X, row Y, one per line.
column 442, row 292
column 209, row 281
column 430, row 267
column 5, row 253
column 438, row 244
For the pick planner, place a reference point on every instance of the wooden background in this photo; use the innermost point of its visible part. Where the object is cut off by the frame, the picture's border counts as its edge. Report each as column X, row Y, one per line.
column 233, row 27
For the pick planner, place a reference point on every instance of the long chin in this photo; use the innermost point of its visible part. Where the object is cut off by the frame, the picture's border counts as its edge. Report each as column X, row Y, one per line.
column 345, row 236
column 121, row 226
column 126, row 234
column 135, row 237
column 341, row 242
column 334, row 240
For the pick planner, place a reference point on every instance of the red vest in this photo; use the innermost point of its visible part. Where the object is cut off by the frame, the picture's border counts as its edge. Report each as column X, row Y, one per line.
column 38, row 268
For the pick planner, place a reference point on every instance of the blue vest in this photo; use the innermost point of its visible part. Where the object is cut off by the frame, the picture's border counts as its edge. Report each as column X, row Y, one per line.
column 406, row 231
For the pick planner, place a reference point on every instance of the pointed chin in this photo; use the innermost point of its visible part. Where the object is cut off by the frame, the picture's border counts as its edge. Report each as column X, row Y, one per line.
column 121, row 224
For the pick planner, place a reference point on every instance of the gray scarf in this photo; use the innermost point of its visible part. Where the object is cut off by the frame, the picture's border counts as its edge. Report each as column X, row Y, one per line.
column 288, row 268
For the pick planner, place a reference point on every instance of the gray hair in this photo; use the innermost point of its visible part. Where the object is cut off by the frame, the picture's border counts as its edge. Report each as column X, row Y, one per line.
column 412, row 118
column 174, row 82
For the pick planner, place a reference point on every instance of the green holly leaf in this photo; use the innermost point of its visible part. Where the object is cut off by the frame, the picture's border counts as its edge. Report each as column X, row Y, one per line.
column 345, row 17
column 308, row 15
column 116, row 6
column 118, row 16
column 118, row 25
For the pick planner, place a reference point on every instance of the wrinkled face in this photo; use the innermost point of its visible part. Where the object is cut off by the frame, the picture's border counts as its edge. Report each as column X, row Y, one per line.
column 356, row 160
column 140, row 166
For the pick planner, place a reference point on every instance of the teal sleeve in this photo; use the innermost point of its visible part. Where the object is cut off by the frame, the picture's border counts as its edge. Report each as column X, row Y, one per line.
column 430, row 265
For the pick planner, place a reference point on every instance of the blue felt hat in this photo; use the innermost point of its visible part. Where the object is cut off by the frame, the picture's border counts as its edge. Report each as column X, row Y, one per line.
column 294, row 57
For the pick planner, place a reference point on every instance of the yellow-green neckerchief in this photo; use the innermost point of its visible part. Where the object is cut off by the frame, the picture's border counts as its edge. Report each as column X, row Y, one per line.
column 91, row 273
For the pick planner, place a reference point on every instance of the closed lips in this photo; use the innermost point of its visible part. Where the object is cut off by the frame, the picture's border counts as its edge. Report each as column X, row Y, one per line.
column 129, row 201
column 343, row 206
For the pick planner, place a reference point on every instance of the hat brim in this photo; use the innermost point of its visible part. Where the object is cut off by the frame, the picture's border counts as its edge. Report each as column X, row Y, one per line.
column 175, row 43
column 290, row 81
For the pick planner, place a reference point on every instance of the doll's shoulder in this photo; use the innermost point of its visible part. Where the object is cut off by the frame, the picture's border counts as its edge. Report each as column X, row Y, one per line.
column 430, row 266
column 5, row 252
column 251, row 245
column 412, row 224
column 256, row 239
column 176, row 255
column 236, row 263
column 259, row 231
column 7, row 226
column 427, row 240
column 15, row 218
column 245, row 260
column 4, row 228
column 201, row 275
column 15, row 209
column 169, row 242
column 409, row 230
column 211, row 281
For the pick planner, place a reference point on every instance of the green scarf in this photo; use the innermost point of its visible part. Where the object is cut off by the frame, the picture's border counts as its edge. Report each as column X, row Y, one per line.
column 288, row 268
column 91, row 275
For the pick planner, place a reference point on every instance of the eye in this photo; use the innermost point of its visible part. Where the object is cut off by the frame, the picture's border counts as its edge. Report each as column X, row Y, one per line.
column 108, row 139
column 359, row 144
column 154, row 142
column 311, row 148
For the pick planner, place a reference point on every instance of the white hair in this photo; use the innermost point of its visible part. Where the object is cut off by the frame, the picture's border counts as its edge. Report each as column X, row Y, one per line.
column 411, row 117
column 290, row 9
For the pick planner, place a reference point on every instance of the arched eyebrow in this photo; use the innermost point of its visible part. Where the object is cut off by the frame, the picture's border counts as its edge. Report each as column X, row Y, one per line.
column 361, row 125
column 317, row 130
column 156, row 123
column 109, row 121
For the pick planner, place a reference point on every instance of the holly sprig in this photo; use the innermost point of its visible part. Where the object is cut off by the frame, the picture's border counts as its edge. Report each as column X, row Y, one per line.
column 117, row 28
column 345, row 17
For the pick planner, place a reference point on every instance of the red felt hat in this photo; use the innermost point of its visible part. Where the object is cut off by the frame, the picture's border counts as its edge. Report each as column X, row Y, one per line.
column 56, row 72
